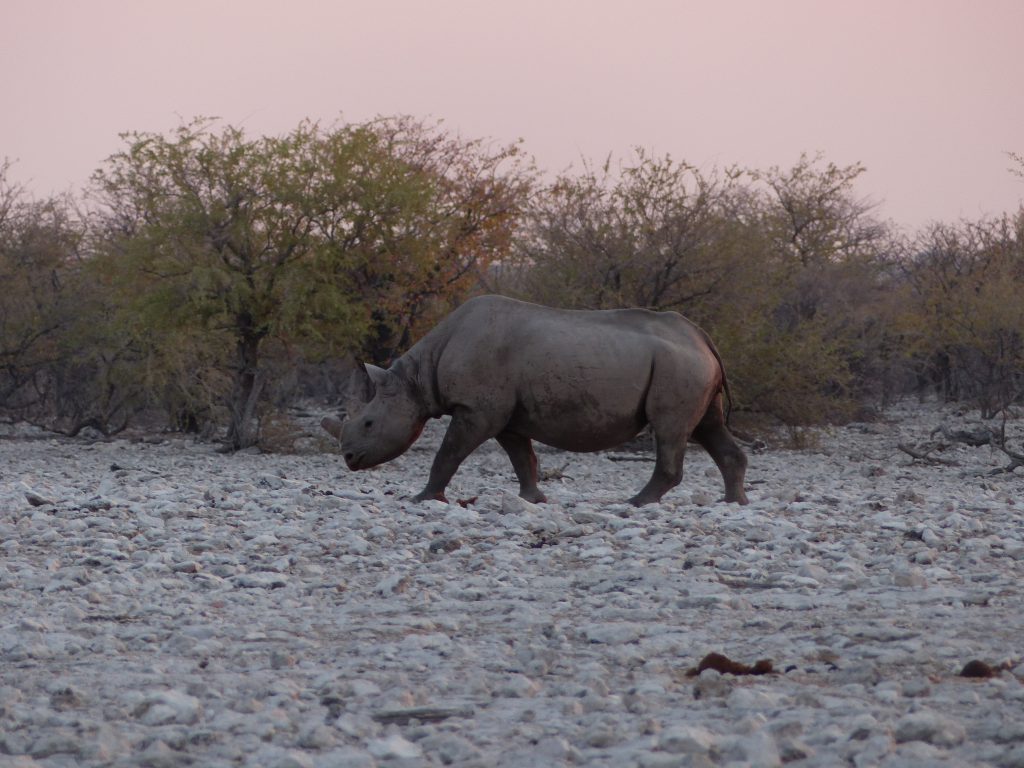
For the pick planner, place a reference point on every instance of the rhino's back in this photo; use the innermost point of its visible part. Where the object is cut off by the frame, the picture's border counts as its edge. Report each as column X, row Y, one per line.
column 519, row 329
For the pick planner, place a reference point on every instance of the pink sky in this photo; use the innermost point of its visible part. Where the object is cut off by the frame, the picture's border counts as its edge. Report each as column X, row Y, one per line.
column 928, row 94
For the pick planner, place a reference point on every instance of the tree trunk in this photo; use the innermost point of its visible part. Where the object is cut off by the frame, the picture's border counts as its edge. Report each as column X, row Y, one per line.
column 243, row 432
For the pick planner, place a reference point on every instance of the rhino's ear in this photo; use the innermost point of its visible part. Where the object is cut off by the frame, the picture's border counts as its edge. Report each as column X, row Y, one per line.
column 360, row 386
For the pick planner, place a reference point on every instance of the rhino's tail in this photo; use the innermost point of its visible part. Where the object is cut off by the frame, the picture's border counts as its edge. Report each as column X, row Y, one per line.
column 721, row 367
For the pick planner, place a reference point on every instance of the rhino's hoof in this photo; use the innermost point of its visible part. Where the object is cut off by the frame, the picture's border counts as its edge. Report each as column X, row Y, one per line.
column 427, row 496
column 640, row 500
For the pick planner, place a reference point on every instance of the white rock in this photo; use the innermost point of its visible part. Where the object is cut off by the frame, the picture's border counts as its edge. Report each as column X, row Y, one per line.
column 757, row 750
column 687, row 740
column 612, row 634
column 294, row 759
column 743, row 698
column 517, row 686
column 555, row 750
column 166, row 707
column 316, row 736
column 813, row 571
column 393, row 584
column 345, row 757
column 260, row 580
column 60, row 741
column 159, row 755
column 393, row 747
column 930, row 727
column 1012, row 757
column 909, row 577
column 452, row 749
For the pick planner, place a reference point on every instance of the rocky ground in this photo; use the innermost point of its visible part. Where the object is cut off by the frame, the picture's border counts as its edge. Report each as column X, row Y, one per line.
column 165, row 605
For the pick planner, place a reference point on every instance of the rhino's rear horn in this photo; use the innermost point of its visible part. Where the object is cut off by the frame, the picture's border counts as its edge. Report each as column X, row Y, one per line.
column 332, row 426
column 360, row 384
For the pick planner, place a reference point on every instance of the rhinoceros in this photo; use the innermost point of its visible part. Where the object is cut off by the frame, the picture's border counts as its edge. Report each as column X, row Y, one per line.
column 579, row 380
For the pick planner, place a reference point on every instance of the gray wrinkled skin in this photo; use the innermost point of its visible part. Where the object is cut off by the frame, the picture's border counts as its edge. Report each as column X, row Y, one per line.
column 575, row 380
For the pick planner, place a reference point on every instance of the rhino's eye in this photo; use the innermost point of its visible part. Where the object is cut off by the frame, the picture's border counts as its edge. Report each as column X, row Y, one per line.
column 369, row 423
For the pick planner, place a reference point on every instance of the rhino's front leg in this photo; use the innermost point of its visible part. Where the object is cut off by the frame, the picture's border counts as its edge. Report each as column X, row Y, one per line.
column 524, row 462
column 466, row 432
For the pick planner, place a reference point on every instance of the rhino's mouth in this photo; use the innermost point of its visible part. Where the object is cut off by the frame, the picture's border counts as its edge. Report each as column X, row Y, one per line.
column 354, row 460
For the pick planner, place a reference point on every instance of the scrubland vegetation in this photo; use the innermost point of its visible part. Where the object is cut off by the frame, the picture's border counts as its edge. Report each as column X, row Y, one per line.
column 205, row 279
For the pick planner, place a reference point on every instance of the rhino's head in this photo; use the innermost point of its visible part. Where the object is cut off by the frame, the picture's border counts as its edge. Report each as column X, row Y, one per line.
column 383, row 418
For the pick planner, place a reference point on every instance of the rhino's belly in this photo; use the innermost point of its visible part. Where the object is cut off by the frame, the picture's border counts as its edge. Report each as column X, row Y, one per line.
column 573, row 428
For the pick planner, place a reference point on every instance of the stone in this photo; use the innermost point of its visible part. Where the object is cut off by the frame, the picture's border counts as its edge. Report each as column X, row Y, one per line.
column 513, row 505
column 756, row 750
column 686, row 740
column 166, row 707
column 159, row 755
column 317, row 736
column 931, row 728
column 1012, row 757
column 916, row 687
column 294, row 759
column 743, row 698
column 712, row 684
column 345, row 757
column 813, row 571
column 516, row 686
column 57, row 742
column 554, row 748
column 37, row 499
column 909, row 577
column 451, row 749
column 393, row 747
column 260, row 580
column 393, row 584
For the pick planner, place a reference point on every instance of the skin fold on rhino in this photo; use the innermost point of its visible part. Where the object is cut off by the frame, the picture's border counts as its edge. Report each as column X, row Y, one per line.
column 579, row 380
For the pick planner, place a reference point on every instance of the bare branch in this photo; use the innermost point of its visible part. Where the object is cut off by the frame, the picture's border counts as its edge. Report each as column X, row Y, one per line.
column 924, row 454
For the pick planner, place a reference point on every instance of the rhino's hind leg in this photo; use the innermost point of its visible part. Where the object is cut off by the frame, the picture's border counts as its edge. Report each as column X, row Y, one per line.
column 524, row 462
column 716, row 439
column 466, row 431
column 668, row 468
